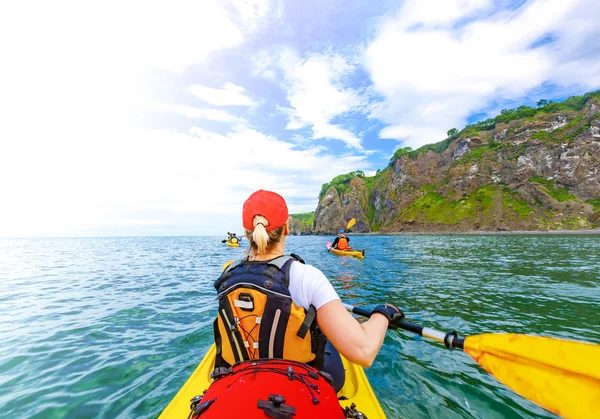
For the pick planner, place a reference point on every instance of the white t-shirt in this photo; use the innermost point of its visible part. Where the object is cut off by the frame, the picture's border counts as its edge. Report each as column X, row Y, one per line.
column 308, row 286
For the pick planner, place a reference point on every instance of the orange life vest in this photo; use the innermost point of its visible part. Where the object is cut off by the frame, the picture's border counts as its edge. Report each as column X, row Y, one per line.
column 342, row 243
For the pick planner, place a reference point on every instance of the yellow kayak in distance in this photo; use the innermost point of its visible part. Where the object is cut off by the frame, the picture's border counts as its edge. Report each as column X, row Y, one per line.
column 358, row 254
column 234, row 244
column 356, row 390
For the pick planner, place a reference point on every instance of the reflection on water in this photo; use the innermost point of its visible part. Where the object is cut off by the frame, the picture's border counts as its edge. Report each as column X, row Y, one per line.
column 348, row 281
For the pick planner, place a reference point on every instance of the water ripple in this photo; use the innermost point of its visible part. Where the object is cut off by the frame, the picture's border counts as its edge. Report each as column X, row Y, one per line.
column 112, row 327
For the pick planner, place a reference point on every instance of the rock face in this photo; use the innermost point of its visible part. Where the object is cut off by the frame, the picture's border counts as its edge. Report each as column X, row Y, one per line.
column 539, row 173
column 298, row 227
column 329, row 213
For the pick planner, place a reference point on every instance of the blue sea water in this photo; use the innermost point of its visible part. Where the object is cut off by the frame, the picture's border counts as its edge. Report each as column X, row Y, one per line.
column 112, row 327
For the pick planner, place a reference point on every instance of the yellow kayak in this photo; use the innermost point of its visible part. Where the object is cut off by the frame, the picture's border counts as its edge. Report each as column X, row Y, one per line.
column 230, row 244
column 358, row 254
column 356, row 390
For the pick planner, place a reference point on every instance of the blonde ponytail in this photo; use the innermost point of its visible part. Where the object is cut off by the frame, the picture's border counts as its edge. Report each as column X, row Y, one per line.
column 260, row 237
column 260, row 240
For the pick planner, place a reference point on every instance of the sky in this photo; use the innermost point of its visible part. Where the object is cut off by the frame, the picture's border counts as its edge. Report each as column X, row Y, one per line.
column 161, row 118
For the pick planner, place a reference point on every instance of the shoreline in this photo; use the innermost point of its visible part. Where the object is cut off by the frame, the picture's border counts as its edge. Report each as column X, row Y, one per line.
column 475, row 232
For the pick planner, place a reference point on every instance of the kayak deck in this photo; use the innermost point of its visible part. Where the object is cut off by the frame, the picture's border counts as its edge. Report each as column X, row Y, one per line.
column 232, row 244
column 356, row 390
column 354, row 253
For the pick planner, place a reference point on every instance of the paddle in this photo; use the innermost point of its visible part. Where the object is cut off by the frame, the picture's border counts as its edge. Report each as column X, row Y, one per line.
column 350, row 223
column 562, row 376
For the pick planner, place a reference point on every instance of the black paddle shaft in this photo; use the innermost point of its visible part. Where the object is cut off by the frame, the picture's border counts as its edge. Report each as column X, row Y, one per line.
column 450, row 339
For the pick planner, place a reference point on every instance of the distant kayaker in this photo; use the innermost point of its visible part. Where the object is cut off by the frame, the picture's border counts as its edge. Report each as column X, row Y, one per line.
column 341, row 242
column 276, row 306
column 232, row 238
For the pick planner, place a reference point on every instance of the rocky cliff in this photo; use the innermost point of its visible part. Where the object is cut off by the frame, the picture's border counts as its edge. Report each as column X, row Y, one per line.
column 527, row 169
column 301, row 224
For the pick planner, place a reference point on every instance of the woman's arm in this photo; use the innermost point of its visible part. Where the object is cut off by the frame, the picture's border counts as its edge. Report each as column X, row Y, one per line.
column 358, row 342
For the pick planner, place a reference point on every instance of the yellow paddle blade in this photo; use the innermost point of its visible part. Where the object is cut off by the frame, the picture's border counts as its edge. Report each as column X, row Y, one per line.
column 229, row 262
column 562, row 376
column 351, row 223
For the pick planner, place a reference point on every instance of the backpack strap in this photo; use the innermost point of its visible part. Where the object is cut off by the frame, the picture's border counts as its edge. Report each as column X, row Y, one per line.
column 232, row 265
column 280, row 261
column 284, row 263
column 298, row 258
column 311, row 315
column 226, row 274
column 219, row 362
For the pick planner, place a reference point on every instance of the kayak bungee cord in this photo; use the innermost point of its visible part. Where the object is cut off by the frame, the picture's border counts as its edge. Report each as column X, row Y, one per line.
column 248, row 335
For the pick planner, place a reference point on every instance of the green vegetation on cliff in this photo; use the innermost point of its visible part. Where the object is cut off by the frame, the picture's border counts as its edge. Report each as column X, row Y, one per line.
column 437, row 148
column 573, row 223
column 341, row 182
column 479, row 152
column 475, row 179
column 558, row 193
column 512, row 201
column 306, row 218
column 595, row 202
column 569, row 132
column 479, row 207
column 573, row 103
column 399, row 153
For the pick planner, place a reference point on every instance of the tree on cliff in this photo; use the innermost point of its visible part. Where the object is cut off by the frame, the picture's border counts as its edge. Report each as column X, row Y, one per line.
column 452, row 133
column 542, row 103
column 399, row 153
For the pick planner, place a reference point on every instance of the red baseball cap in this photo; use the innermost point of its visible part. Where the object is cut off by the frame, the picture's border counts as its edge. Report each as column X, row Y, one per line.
column 268, row 204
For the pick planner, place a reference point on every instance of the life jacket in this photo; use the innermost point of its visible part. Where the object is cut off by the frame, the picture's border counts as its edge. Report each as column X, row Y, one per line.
column 268, row 388
column 258, row 319
column 342, row 243
column 233, row 240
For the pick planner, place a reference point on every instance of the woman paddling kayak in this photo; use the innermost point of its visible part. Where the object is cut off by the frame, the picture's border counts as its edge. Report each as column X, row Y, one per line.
column 279, row 317
column 265, row 220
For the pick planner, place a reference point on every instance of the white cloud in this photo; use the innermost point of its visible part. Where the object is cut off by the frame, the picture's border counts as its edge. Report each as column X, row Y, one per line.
column 434, row 74
column 435, row 12
column 252, row 12
column 196, row 113
column 128, row 34
column 70, row 161
column 71, row 66
column 229, row 95
column 262, row 65
column 160, row 179
column 299, row 139
column 316, row 95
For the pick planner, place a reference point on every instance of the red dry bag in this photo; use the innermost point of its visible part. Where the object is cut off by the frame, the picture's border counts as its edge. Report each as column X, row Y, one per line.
column 268, row 388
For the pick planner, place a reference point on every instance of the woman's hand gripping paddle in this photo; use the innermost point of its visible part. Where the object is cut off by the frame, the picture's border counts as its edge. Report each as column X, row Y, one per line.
column 562, row 376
